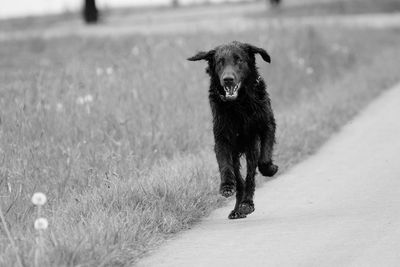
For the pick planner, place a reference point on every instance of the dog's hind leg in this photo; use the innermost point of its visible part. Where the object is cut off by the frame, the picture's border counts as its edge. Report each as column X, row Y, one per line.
column 265, row 163
column 240, row 186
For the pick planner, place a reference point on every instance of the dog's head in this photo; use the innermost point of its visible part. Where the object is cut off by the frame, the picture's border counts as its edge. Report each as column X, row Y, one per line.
column 231, row 65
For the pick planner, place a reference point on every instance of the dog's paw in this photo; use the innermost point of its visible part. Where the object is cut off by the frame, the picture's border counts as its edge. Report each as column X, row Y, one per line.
column 227, row 190
column 235, row 214
column 246, row 207
column 267, row 169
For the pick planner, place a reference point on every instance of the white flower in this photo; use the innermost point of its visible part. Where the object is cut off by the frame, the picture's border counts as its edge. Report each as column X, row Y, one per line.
column 80, row 100
column 59, row 107
column 309, row 70
column 39, row 199
column 41, row 224
column 88, row 98
column 84, row 99
column 301, row 61
column 99, row 71
column 109, row 70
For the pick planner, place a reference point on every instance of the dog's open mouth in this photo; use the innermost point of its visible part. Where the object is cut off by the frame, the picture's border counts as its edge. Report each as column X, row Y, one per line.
column 231, row 91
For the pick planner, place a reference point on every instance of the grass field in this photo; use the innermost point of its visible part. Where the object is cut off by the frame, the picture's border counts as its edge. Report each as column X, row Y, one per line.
column 339, row 7
column 117, row 132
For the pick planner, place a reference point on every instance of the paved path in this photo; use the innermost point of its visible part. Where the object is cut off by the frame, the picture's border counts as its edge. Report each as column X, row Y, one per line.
column 341, row 207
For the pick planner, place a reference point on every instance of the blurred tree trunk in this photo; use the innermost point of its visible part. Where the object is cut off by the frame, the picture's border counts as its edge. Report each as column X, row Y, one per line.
column 274, row 3
column 90, row 12
column 175, row 3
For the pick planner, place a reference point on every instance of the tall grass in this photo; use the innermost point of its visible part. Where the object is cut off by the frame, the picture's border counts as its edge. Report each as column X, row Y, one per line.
column 117, row 132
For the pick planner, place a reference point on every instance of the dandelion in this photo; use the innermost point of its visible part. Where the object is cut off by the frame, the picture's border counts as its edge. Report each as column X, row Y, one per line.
column 109, row 70
column 41, row 224
column 80, row 100
column 39, row 199
column 99, row 71
column 301, row 61
column 59, row 107
column 88, row 98
column 309, row 70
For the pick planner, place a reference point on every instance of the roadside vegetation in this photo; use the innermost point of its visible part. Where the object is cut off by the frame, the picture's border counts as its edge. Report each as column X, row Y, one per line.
column 117, row 132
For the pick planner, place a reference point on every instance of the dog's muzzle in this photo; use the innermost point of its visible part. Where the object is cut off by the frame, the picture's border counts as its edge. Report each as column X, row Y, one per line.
column 231, row 92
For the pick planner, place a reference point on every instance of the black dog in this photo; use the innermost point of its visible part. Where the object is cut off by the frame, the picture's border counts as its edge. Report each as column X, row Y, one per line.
column 243, row 121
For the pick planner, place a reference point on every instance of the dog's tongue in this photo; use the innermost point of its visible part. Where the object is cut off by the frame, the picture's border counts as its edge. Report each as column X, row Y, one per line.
column 231, row 89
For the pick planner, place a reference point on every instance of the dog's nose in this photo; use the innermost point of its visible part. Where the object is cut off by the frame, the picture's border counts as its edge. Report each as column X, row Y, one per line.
column 228, row 79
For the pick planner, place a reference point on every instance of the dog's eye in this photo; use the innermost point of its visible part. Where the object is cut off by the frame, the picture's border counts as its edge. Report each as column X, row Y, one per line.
column 238, row 60
column 220, row 61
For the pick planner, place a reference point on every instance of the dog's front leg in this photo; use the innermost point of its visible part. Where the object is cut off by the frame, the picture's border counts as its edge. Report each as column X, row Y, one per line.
column 225, row 163
column 240, row 186
column 247, row 205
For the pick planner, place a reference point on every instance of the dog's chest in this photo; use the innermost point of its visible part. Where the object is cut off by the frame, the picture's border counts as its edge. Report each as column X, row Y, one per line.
column 237, row 125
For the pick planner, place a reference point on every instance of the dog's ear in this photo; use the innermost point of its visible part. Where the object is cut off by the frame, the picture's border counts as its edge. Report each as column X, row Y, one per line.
column 203, row 55
column 256, row 50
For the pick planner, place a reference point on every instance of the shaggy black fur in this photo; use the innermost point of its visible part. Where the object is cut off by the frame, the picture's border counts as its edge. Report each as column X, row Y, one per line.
column 243, row 121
